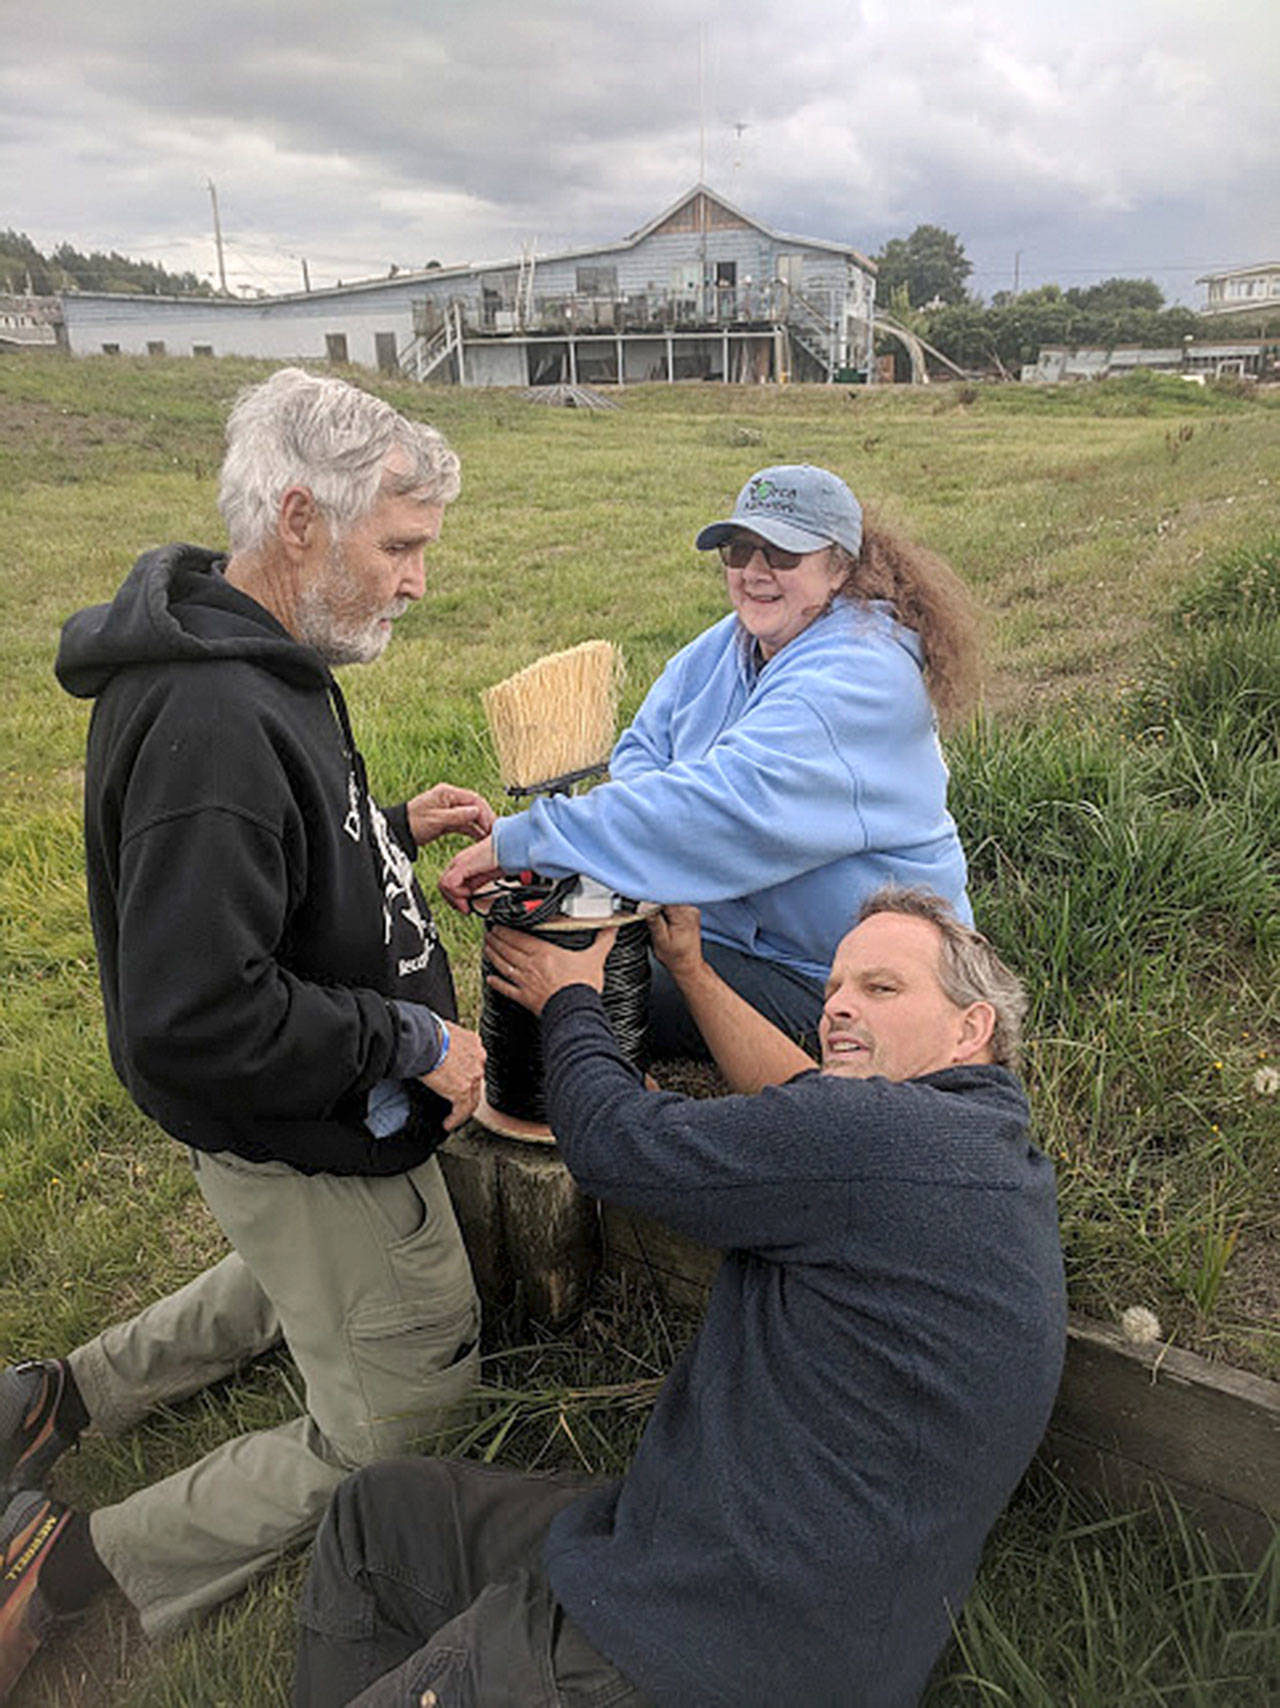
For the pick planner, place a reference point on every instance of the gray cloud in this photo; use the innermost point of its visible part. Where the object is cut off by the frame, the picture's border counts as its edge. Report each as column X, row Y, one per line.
column 1084, row 135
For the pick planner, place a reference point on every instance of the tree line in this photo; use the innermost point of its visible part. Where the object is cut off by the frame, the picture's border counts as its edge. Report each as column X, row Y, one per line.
column 922, row 281
column 24, row 269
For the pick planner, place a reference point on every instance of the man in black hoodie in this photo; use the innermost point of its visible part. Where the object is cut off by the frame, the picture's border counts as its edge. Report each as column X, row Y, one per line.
column 277, row 999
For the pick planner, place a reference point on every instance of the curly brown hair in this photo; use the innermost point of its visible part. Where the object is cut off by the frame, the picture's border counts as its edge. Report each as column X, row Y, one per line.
column 926, row 595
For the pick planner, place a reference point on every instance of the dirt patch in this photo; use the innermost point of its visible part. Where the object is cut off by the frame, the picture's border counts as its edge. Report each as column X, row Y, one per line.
column 54, row 426
column 690, row 1079
column 89, row 1661
column 1250, row 1304
column 50, row 444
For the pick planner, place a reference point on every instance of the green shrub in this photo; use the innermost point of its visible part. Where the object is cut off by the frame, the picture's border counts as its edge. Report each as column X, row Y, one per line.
column 1208, row 723
column 1084, row 871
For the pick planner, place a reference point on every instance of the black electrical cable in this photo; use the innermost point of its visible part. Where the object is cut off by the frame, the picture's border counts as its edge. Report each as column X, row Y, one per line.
column 524, row 902
column 511, row 1036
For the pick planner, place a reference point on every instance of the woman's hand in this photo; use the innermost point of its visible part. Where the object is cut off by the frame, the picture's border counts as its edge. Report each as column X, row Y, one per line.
column 468, row 872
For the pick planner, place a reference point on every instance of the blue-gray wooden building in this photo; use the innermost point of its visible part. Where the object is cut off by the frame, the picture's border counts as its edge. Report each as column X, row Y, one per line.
column 702, row 292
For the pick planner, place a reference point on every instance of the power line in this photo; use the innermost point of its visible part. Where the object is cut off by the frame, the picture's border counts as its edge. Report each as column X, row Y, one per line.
column 1110, row 268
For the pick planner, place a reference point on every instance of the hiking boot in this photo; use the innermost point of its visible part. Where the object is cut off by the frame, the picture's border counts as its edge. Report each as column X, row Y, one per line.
column 32, row 1434
column 29, row 1527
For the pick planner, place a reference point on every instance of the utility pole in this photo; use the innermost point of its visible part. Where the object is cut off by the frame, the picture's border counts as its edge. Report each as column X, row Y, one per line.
column 1017, row 265
column 702, row 174
column 306, row 277
column 217, row 238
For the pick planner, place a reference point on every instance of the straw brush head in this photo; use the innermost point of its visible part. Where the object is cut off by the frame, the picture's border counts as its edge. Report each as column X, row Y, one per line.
column 556, row 716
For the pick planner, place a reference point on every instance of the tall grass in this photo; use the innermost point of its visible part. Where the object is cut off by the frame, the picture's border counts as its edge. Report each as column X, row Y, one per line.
column 1125, row 855
column 1123, row 835
column 1076, row 1608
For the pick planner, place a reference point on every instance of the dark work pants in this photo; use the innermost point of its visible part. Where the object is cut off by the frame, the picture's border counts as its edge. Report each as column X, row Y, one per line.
column 792, row 1002
column 426, row 1588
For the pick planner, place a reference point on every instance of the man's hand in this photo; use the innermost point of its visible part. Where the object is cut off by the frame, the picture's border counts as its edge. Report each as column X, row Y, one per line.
column 460, row 1077
column 677, row 941
column 530, row 970
column 449, row 811
column 749, row 1051
column 467, row 872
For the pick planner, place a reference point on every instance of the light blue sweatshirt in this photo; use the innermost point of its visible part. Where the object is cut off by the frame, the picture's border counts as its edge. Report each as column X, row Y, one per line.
column 776, row 799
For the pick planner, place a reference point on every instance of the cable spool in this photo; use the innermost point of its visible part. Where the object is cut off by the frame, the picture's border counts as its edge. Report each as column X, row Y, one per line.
column 514, row 1103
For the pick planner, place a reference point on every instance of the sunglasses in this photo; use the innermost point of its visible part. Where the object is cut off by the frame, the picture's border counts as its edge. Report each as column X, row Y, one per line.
column 738, row 553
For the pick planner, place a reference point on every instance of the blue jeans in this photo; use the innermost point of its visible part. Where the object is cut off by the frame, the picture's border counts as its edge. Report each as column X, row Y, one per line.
column 426, row 1585
column 792, row 1002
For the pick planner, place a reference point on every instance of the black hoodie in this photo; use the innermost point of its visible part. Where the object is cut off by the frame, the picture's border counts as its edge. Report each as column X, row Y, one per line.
column 255, row 913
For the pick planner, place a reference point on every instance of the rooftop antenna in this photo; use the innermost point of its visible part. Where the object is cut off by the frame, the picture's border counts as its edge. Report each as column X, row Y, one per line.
column 738, row 129
column 702, row 117
column 702, row 172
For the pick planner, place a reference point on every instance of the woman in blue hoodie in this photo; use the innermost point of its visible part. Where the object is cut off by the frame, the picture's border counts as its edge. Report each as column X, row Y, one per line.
column 786, row 762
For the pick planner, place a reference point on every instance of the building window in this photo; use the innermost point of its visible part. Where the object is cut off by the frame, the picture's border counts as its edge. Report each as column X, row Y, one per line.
column 155, row 346
column 384, row 350
column 202, row 349
column 110, row 349
column 597, row 281
column 335, row 346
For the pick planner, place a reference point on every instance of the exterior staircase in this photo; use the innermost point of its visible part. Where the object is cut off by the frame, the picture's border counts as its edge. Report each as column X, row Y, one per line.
column 811, row 331
column 430, row 351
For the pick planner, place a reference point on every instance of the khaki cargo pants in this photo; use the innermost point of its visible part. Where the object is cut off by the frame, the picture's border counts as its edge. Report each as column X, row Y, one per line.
column 367, row 1282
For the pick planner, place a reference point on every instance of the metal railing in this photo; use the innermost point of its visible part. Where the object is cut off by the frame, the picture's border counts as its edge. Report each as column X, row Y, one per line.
column 769, row 302
column 813, row 321
column 429, row 351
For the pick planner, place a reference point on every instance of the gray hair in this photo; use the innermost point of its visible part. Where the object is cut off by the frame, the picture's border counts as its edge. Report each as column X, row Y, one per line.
column 969, row 970
column 313, row 431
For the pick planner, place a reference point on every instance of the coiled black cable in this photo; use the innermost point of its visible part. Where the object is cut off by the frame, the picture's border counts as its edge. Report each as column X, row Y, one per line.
column 513, row 1078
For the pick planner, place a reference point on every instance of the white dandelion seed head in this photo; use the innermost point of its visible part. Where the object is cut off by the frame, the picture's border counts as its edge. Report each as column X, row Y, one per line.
column 1141, row 1327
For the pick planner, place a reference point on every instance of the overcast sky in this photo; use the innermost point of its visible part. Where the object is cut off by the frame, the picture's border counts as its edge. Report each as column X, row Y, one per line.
column 1071, row 139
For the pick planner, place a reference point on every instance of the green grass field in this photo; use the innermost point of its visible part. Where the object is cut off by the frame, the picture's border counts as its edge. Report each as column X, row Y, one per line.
column 1119, row 798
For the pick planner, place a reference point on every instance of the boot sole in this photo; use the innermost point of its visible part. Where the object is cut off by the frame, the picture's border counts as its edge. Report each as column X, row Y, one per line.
column 23, row 1627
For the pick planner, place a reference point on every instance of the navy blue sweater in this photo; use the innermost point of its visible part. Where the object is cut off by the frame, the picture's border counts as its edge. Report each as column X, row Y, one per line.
column 881, row 1350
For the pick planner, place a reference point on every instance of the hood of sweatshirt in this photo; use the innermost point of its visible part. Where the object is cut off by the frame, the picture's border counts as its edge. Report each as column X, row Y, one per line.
column 177, row 605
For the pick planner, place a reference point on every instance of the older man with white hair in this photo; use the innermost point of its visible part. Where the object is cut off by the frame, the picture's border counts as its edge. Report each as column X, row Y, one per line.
column 879, row 1356
column 277, row 1000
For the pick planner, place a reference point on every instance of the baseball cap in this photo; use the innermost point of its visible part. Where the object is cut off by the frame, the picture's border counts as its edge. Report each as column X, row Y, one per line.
column 796, row 506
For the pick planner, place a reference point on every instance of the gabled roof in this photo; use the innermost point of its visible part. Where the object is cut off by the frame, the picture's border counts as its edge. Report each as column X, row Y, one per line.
column 736, row 213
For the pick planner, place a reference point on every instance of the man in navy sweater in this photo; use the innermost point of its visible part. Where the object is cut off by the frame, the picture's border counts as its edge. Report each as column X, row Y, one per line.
column 879, row 1358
